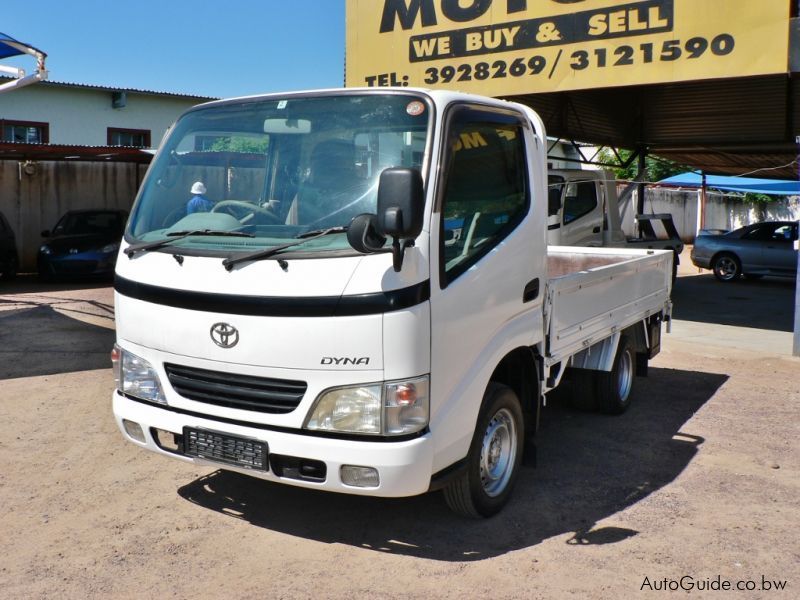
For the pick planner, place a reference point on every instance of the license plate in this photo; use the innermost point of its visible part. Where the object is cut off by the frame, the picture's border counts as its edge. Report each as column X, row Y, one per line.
column 226, row 449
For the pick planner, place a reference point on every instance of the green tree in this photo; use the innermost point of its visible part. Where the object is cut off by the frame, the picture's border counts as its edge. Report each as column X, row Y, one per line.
column 244, row 144
column 751, row 197
column 656, row 168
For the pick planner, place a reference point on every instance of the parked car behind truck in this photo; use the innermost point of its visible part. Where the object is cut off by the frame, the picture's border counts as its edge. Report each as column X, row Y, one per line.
column 766, row 248
column 9, row 259
column 328, row 330
column 83, row 243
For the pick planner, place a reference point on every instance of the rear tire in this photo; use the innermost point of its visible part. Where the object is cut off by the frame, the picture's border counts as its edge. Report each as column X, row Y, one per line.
column 726, row 267
column 494, row 458
column 614, row 387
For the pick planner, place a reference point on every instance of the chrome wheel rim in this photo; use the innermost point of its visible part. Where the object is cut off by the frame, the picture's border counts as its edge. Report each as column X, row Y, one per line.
column 625, row 376
column 727, row 268
column 498, row 453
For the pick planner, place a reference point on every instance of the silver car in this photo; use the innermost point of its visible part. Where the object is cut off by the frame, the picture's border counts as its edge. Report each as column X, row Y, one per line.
column 766, row 248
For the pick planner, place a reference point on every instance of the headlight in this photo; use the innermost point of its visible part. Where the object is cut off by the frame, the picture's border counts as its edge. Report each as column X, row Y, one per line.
column 389, row 408
column 109, row 248
column 135, row 376
column 45, row 249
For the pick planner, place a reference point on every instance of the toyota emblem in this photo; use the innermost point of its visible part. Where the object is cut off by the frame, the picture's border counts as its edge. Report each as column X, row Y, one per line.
column 224, row 335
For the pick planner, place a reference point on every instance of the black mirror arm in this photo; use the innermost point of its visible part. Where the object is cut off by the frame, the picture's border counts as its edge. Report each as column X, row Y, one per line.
column 398, row 252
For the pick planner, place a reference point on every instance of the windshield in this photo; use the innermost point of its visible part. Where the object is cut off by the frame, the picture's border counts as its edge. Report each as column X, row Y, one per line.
column 85, row 223
column 277, row 169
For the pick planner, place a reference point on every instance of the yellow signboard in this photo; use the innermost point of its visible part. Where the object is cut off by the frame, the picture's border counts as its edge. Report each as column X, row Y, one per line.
column 508, row 47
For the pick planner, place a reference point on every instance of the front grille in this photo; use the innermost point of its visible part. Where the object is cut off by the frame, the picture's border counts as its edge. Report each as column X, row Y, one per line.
column 277, row 396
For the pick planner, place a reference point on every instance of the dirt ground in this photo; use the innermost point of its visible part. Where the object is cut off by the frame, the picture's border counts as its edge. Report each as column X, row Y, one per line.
column 699, row 480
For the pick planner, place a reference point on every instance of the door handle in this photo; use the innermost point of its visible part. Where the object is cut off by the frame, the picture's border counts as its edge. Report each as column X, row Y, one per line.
column 596, row 229
column 531, row 291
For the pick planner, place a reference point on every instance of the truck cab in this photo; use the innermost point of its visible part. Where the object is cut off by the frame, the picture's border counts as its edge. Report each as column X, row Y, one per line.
column 584, row 210
column 576, row 207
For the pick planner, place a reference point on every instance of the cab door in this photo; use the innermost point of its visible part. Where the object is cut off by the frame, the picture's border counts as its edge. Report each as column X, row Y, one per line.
column 488, row 283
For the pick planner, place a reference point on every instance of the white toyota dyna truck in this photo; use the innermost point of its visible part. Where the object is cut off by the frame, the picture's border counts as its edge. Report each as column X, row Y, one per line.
column 291, row 305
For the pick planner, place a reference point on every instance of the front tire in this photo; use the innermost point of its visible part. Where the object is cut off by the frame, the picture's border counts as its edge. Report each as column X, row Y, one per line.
column 494, row 458
column 726, row 268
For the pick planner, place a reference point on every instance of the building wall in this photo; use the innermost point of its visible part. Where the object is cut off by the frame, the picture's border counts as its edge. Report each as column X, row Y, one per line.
column 79, row 116
column 722, row 211
column 34, row 202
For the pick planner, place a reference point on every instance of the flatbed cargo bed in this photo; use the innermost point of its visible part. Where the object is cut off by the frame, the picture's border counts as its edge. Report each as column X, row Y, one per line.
column 593, row 293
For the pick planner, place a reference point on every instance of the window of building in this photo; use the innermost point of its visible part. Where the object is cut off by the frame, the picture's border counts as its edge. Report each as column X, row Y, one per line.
column 25, row 132
column 134, row 138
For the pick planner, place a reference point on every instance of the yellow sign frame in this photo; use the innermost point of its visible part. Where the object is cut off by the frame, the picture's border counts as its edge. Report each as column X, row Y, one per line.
column 512, row 47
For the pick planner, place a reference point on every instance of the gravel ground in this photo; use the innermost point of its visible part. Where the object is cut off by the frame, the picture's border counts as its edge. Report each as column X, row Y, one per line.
column 699, row 479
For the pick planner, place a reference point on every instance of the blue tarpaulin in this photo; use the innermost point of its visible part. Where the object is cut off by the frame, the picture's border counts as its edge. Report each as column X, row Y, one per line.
column 773, row 187
column 11, row 47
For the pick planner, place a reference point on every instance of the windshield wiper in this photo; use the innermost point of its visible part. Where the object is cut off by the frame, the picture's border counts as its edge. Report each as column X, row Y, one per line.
column 318, row 232
column 301, row 238
column 179, row 235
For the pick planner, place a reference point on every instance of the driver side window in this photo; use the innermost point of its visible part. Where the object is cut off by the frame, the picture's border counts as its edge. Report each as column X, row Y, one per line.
column 486, row 192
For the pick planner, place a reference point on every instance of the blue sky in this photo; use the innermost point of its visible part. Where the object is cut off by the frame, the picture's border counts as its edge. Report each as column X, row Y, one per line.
column 222, row 49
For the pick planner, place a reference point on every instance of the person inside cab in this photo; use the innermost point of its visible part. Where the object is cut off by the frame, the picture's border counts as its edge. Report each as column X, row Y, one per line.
column 198, row 202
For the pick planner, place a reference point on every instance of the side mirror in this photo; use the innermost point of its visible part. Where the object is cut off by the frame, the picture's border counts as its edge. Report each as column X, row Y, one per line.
column 553, row 201
column 401, row 203
column 401, row 209
column 363, row 236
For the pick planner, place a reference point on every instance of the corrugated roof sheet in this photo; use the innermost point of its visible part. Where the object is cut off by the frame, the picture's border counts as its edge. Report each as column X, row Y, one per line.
column 106, row 88
column 728, row 126
column 15, row 151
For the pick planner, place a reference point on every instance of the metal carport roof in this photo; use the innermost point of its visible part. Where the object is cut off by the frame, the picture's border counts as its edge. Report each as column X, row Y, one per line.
column 727, row 126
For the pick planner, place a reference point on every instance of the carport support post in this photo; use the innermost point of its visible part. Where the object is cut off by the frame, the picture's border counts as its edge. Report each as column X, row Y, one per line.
column 703, row 198
column 641, row 187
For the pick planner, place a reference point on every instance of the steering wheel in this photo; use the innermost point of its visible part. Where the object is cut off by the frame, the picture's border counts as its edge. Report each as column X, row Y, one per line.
column 244, row 210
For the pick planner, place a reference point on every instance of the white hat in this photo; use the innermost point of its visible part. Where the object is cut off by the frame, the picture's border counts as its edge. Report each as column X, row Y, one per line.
column 198, row 188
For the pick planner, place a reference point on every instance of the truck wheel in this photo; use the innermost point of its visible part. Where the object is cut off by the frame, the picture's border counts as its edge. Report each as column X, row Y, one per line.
column 614, row 387
column 726, row 267
column 495, row 453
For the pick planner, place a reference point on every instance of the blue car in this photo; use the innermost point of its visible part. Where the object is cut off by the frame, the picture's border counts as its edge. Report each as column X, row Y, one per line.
column 84, row 243
column 766, row 248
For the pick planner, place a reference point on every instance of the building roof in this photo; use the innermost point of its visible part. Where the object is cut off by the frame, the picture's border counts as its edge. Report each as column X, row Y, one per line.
column 22, row 152
column 105, row 88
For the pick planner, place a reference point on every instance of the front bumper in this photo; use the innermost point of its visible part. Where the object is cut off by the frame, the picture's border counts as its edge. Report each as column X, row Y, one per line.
column 77, row 265
column 404, row 467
